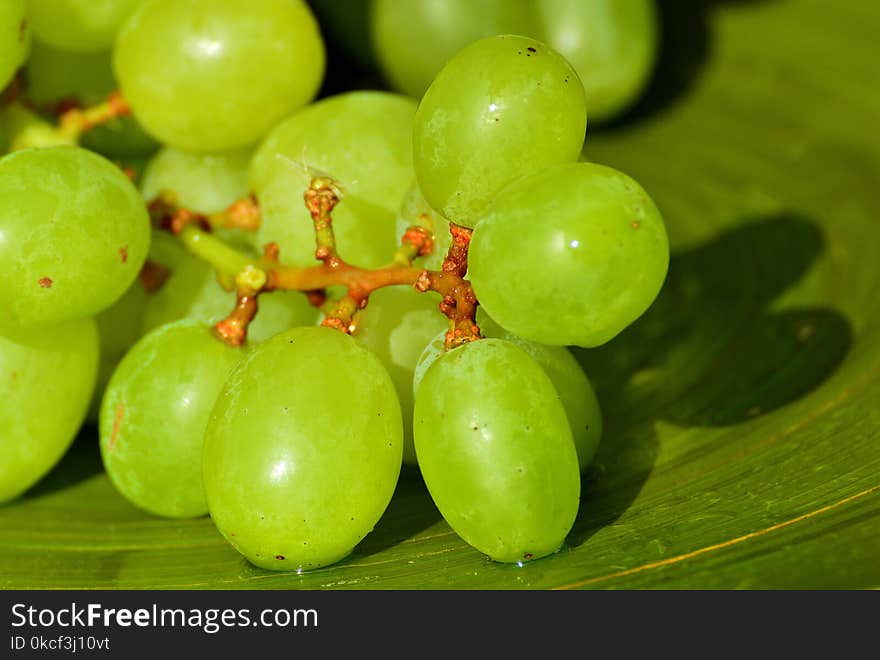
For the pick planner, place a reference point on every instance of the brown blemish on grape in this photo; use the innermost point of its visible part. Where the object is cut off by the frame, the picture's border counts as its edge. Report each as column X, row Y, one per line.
column 45, row 282
column 528, row 555
column 117, row 423
column 531, row 50
column 123, row 254
column 636, row 224
column 279, row 557
column 22, row 30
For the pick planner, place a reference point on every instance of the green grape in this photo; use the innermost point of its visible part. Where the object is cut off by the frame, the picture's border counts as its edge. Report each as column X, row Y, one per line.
column 568, row 378
column 74, row 234
column 192, row 292
column 205, row 183
column 79, row 25
column 416, row 211
column 216, row 75
column 495, row 450
column 571, row 255
column 154, row 414
column 502, row 108
column 46, row 380
column 413, row 39
column 396, row 326
column 119, row 327
column 15, row 38
column 60, row 76
column 430, row 353
column 571, row 383
column 364, row 141
column 303, row 449
column 612, row 44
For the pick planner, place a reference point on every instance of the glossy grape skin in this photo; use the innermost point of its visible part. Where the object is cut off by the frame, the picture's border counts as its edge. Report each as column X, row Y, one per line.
column 205, row 183
column 495, row 450
column 303, row 449
column 154, row 414
column 612, row 44
column 192, row 292
column 75, row 233
column 413, row 39
column 397, row 325
column 414, row 210
column 15, row 38
column 568, row 378
column 216, row 75
column 503, row 107
column 79, row 25
column 430, row 353
column 119, row 327
column 46, row 380
column 571, row 383
column 364, row 141
column 571, row 255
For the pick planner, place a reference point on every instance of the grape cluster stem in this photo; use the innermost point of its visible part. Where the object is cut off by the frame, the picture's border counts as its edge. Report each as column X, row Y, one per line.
column 76, row 121
column 256, row 276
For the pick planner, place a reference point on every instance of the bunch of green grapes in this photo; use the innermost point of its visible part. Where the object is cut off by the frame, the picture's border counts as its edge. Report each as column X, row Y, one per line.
column 74, row 234
column 612, row 44
column 562, row 253
column 293, row 441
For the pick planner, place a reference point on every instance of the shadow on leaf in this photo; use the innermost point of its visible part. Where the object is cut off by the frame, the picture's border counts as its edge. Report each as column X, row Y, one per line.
column 411, row 511
column 711, row 351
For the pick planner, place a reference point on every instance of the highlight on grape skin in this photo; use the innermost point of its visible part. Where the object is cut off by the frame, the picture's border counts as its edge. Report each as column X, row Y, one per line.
column 271, row 298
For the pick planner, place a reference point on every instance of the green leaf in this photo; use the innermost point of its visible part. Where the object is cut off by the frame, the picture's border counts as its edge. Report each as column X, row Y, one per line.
column 742, row 443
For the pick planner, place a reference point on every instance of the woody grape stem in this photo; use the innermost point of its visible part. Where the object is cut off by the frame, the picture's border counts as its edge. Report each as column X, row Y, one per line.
column 267, row 273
